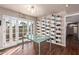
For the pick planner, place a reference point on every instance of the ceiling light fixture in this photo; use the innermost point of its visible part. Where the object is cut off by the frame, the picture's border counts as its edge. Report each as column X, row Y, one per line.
column 31, row 8
column 67, row 5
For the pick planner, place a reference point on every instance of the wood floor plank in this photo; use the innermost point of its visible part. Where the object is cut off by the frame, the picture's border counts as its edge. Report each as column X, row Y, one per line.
column 72, row 48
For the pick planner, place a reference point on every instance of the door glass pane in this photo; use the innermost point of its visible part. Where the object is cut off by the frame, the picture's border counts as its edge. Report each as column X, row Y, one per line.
column 7, row 30
column 14, row 29
column 30, row 28
column 20, row 30
column 25, row 28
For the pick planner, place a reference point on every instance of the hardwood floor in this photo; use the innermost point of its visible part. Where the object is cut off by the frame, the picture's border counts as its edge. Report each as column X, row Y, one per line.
column 31, row 48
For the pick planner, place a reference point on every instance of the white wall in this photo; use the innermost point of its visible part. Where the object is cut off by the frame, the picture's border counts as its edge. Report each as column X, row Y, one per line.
column 74, row 18
column 78, row 31
column 0, row 37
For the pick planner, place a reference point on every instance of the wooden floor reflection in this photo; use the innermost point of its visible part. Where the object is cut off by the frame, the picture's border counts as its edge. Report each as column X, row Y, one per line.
column 31, row 48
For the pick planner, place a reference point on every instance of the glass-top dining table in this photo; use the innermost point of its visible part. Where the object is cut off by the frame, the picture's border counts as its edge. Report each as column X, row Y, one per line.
column 38, row 39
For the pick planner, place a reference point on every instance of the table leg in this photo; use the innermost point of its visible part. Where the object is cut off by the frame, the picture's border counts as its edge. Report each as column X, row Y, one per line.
column 22, row 43
column 39, row 48
column 50, row 46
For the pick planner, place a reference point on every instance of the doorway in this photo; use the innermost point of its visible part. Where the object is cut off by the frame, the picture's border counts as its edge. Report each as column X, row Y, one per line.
column 72, row 32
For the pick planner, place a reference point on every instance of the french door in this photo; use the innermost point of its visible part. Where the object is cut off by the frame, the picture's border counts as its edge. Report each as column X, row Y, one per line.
column 14, row 29
column 11, row 29
column 17, row 28
column 25, row 27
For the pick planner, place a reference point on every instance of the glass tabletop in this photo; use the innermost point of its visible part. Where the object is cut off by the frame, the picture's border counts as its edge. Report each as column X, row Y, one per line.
column 37, row 38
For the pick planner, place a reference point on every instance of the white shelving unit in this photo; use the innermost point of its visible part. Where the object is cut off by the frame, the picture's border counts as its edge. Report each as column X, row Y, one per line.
column 38, row 28
column 51, row 26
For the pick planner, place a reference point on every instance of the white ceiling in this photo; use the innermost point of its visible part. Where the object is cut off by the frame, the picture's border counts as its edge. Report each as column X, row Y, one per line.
column 73, row 8
column 42, row 9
